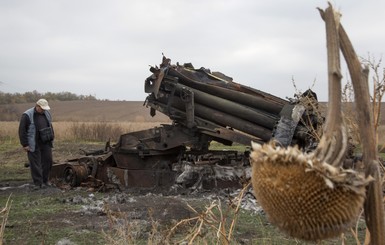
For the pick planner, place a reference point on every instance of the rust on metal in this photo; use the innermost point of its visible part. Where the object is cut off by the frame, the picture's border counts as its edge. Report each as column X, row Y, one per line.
column 204, row 106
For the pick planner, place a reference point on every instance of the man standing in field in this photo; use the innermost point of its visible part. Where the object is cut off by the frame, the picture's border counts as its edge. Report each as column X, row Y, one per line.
column 36, row 136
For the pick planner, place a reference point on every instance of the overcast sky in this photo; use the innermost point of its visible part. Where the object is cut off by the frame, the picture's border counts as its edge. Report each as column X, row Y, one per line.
column 105, row 48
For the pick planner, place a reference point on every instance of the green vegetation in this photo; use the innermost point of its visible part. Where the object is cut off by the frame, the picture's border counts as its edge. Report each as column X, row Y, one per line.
column 38, row 218
column 235, row 147
column 12, row 160
column 31, row 97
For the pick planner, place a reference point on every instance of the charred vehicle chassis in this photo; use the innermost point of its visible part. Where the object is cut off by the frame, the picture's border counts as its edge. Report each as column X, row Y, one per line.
column 203, row 106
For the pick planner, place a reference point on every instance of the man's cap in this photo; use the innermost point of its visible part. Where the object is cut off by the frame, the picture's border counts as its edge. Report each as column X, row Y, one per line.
column 43, row 104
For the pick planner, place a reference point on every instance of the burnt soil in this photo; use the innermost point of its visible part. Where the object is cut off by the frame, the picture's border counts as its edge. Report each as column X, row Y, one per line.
column 82, row 215
column 82, row 210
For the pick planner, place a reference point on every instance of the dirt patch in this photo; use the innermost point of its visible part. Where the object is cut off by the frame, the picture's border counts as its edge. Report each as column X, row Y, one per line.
column 92, row 213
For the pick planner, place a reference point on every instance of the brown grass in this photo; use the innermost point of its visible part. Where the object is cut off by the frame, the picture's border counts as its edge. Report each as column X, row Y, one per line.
column 85, row 131
column 85, row 120
column 66, row 131
column 88, row 111
column 4, row 213
column 98, row 131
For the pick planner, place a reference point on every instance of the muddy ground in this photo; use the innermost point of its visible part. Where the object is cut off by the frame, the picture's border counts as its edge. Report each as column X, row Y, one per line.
column 84, row 212
column 81, row 215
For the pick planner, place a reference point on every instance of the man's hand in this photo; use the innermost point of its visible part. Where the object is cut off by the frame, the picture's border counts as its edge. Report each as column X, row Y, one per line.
column 26, row 148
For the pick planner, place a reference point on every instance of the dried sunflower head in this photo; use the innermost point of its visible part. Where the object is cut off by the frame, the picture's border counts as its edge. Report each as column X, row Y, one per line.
column 303, row 197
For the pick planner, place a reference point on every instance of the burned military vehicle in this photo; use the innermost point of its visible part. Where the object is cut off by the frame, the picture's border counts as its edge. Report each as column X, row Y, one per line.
column 203, row 106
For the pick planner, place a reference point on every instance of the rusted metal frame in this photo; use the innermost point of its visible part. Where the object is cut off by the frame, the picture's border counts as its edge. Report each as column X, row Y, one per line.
column 187, row 96
column 170, row 96
column 158, row 81
column 231, row 135
column 143, row 178
column 373, row 206
column 212, row 129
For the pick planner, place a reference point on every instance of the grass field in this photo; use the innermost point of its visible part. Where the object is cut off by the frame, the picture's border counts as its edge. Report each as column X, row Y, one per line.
column 103, row 131
column 82, row 216
column 88, row 131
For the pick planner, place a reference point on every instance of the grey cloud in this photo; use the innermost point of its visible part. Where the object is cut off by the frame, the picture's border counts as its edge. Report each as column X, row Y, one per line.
column 104, row 47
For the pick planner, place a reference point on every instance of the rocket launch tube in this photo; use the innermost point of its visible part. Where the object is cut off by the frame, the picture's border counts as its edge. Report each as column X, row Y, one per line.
column 221, row 118
column 254, row 98
column 232, row 108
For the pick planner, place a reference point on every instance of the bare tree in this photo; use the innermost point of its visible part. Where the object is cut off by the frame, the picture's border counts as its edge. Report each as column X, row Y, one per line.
column 378, row 88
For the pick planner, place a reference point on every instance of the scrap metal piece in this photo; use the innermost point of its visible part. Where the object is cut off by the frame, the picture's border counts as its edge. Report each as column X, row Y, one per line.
column 287, row 124
column 74, row 174
column 128, row 178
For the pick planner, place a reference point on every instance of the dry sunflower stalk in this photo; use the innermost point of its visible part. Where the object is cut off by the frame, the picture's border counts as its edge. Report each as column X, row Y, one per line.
column 309, row 195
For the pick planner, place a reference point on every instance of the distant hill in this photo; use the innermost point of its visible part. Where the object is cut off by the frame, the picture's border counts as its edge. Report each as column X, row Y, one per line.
column 93, row 110
column 88, row 110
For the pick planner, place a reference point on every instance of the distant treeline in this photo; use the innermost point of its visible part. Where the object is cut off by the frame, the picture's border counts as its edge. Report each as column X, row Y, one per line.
column 29, row 97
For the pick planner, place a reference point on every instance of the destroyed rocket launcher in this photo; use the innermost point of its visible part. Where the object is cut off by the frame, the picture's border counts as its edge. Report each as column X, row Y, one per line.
column 210, row 106
column 204, row 106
